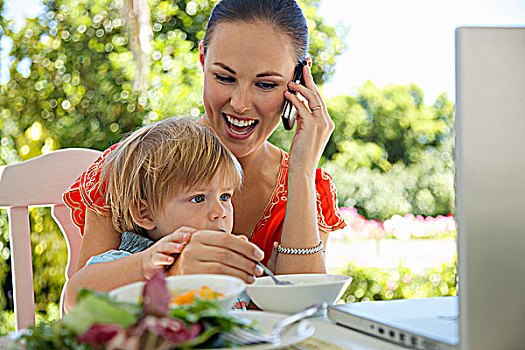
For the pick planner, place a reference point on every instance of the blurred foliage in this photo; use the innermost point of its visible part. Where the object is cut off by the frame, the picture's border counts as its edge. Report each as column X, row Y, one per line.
column 49, row 253
column 7, row 322
column 5, row 268
column 384, row 284
column 7, row 318
column 76, row 90
column 79, row 92
column 391, row 154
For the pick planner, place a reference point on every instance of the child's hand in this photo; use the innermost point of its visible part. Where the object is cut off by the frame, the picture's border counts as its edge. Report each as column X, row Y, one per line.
column 160, row 255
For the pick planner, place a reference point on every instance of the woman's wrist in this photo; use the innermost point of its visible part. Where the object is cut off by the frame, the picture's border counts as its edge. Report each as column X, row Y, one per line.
column 304, row 176
column 301, row 168
column 301, row 251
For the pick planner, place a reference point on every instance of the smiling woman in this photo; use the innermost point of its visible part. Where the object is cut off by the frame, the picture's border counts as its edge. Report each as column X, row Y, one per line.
column 244, row 82
column 248, row 58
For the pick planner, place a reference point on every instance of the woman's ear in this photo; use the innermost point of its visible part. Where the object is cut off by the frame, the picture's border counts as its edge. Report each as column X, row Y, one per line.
column 141, row 215
column 201, row 54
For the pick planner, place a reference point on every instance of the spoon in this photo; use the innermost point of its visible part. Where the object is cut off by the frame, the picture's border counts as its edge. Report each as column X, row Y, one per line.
column 272, row 276
column 267, row 270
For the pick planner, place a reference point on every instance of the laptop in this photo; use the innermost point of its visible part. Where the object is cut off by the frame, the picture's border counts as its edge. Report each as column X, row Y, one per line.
column 490, row 205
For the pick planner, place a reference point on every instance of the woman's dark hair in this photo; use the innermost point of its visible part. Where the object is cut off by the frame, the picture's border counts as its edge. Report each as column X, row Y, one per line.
column 284, row 15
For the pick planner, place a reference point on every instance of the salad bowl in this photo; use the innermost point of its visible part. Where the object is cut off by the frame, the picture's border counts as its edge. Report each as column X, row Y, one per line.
column 226, row 289
column 145, row 322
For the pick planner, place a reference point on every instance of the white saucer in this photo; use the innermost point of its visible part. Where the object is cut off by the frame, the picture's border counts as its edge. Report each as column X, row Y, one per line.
column 265, row 322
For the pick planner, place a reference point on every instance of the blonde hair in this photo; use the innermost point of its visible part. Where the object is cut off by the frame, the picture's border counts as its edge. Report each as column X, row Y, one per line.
column 159, row 160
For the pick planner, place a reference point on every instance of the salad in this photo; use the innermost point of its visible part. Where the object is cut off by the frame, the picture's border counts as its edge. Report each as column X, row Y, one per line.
column 98, row 322
column 187, row 297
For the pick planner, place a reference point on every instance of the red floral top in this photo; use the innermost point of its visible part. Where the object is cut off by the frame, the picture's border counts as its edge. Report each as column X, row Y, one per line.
column 85, row 192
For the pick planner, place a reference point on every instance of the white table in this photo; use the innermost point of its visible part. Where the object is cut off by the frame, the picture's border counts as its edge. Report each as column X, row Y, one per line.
column 324, row 329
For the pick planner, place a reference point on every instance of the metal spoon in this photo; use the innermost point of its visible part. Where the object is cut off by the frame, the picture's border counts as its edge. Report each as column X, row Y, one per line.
column 267, row 270
column 272, row 276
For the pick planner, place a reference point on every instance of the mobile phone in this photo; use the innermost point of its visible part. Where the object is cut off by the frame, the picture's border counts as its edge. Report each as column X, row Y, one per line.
column 289, row 112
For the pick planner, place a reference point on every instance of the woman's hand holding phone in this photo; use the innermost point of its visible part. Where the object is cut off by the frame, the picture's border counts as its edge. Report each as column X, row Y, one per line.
column 314, row 125
column 289, row 113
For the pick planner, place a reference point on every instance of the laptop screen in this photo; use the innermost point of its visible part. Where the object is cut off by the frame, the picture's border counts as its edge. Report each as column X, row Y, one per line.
column 490, row 186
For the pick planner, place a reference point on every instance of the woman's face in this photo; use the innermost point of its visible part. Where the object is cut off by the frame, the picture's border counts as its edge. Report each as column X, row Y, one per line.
column 246, row 71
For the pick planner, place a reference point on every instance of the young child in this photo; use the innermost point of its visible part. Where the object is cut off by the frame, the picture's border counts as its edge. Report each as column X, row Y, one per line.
column 163, row 182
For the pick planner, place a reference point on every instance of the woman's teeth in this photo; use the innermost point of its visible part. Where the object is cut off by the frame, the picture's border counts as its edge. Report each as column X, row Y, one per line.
column 240, row 132
column 240, row 127
column 239, row 123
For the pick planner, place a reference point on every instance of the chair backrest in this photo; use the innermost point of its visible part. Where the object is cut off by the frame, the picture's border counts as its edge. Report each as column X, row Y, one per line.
column 39, row 182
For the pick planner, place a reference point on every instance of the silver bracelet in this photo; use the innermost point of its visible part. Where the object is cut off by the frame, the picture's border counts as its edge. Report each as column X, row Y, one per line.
column 312, row 250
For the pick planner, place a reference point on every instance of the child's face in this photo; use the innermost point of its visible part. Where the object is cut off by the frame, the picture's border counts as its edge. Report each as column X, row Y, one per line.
column 206, row 207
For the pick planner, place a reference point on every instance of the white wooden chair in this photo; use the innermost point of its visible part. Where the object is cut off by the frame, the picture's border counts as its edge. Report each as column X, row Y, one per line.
column 39, row 182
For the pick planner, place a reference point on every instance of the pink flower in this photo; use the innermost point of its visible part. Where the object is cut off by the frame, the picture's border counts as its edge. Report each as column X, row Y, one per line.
column 392, row 285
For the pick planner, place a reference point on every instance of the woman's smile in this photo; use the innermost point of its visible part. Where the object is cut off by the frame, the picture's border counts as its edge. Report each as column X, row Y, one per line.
column 239, row 127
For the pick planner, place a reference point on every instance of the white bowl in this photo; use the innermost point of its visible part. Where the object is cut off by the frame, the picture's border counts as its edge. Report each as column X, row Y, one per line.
column 230, row 287
column 309, row 289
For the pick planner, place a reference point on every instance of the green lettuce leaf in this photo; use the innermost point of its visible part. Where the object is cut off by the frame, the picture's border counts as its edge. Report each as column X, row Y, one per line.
column 92, row 309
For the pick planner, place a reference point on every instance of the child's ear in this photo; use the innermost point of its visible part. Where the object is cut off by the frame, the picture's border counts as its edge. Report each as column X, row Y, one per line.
column 141, row 215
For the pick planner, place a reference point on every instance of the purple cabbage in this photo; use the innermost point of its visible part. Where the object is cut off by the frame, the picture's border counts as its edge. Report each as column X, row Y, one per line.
column 170, row 330
column 99, row 334
column 156, row 296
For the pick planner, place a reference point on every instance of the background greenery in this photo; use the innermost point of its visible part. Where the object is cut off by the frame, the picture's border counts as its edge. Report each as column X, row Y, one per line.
column 389, row 154
column 370, row 283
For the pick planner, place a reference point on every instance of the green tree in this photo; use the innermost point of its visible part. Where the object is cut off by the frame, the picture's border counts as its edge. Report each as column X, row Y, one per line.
column 391, row 154
column 79, row 91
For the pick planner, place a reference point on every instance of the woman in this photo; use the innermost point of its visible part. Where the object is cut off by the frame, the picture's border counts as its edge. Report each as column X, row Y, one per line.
column 248, row 57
